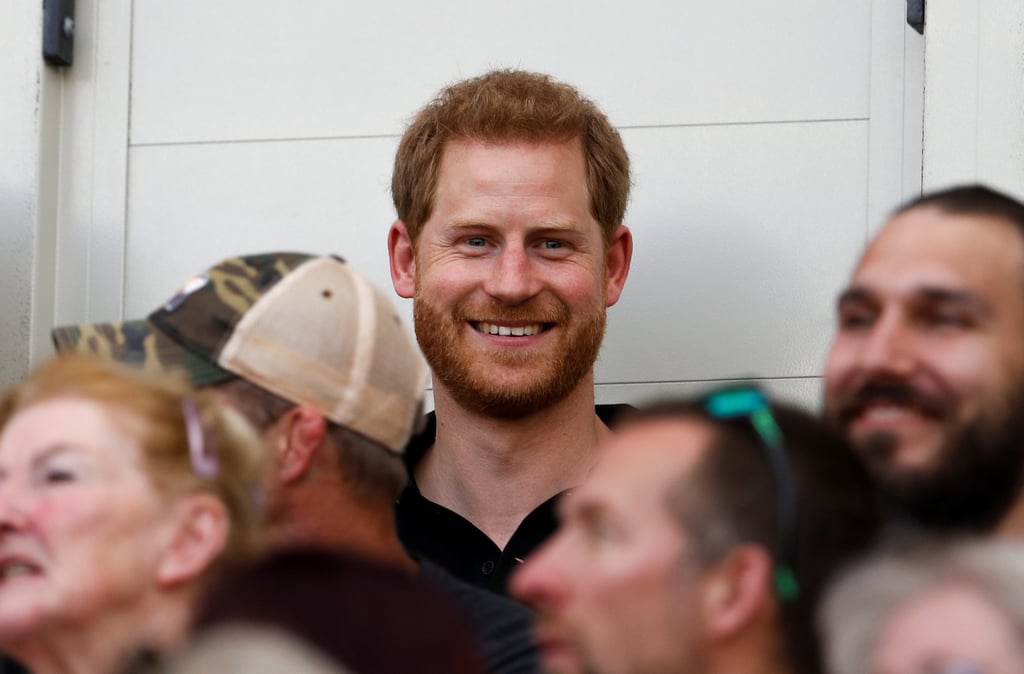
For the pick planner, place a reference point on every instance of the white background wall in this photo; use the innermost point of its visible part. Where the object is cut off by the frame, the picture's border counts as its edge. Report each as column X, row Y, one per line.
column 768, row 140
column 29, row 108
column 974, row 114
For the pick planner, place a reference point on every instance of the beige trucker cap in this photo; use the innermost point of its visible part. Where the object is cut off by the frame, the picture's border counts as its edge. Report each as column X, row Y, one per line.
column 309, row 329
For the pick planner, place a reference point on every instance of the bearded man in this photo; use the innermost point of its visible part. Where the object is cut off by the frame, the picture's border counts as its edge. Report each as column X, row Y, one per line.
column 926, row 374
column 510, row 190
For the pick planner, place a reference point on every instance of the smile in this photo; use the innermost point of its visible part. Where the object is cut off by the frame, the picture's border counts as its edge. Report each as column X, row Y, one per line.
column 15, row 568
column 888, row 413
column 509, row 330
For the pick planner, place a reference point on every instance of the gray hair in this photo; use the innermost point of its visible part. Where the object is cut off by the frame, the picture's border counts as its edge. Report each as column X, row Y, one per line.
column 859, row 605
column 248, row 649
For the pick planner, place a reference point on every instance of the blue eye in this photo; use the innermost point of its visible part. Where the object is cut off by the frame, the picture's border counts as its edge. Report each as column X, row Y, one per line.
column 552, row 244
column 476, row 241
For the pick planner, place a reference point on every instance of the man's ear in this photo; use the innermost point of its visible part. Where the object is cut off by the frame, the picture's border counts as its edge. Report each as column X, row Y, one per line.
column 403, row 260
column 617, row 260
column 302, row 433
column 200, row 533
column 736, row 591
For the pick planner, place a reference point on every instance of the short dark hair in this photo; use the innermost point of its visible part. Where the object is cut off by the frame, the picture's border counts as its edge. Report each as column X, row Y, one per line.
column 372, row 471
column 730, row 499
column 971, row 200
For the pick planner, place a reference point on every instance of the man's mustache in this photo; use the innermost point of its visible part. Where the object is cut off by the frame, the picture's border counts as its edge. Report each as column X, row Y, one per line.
column 891, row 392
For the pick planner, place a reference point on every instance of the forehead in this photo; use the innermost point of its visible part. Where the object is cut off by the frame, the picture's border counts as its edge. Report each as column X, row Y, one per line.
column 642, row 461
column 69, row 421
column 512, row 168
column 926, row 247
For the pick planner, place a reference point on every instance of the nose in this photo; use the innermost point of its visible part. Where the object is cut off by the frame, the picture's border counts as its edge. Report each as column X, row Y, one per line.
column 886, row 348
column 513, row 278
column 540, row 583
column 12, row 513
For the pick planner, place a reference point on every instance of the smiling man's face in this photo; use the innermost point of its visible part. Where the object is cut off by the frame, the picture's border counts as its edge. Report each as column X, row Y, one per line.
column 513, row 276
column 928, row 362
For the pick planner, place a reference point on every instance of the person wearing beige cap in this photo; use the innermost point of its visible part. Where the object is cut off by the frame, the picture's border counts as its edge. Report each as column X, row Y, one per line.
column 319, row 361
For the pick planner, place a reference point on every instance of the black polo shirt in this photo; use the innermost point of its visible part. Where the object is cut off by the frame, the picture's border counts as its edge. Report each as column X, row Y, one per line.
column 431, row 531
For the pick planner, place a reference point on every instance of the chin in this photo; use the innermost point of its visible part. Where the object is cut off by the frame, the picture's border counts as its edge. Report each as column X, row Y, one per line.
column 17, row 623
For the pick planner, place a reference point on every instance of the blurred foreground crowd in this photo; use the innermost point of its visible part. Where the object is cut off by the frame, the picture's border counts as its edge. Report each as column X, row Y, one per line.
column 245, row 480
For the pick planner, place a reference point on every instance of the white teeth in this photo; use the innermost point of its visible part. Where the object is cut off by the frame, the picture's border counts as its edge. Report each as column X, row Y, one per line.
column 506, row 331
column 16, row 569
column 888, row 412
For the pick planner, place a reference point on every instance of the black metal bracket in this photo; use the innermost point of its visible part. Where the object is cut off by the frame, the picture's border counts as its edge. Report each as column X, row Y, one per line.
column 915, row 15
column 58, row 31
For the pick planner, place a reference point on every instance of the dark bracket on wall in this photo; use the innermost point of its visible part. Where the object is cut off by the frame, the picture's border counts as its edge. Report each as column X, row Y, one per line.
column 58, row 31
column 915, row 15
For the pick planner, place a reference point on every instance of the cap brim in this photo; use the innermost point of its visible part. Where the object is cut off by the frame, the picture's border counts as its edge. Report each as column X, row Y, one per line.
column 140, row 344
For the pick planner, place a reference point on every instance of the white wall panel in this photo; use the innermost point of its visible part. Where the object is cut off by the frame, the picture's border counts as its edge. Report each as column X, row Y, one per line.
column 238, row 69
column 974, row 125
column 193, row 205
column 24, row 81
column 803, row 392
column 743, row 235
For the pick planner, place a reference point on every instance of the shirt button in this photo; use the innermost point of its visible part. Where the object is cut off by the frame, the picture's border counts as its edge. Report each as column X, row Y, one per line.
column 487, row 568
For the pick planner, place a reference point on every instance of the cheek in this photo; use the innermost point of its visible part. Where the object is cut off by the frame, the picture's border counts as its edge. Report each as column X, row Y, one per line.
column 627, row 594
column 71, row 519
column 633, row 618
column 440, row 283
column 975, row 370
column 100, row 529
column 581, row 285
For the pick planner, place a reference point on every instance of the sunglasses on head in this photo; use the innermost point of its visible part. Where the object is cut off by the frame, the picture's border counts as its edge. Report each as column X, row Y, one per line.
column 750, row 404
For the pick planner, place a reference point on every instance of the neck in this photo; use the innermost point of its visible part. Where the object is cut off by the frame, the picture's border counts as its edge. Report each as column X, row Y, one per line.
column 104, row 644
column 752, row 656
column 324, row 514
column 495, row 471
column 749, row 663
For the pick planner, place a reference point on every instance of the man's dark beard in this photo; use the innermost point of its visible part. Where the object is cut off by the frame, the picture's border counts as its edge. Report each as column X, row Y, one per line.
column 977, row 477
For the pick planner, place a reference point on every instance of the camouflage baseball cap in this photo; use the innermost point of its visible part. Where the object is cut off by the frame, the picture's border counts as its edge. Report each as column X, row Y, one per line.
column 307, row 328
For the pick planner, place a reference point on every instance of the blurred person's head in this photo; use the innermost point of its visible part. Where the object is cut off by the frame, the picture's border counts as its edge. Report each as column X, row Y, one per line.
column 248, row 649
column 510, row 190
column 367, row 617
column 699, row 543
column 926, row 373
column 936, row 609
column 318, row 360
column 122, row 495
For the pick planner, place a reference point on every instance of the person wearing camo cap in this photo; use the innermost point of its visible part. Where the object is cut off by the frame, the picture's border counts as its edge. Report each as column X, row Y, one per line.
column 319, row 361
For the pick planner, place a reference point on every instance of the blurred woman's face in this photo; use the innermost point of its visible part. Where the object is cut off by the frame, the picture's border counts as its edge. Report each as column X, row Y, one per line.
column 81, row 525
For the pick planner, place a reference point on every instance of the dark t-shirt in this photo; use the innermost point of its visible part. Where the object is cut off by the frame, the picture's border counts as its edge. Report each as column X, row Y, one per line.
column 501, row 626
column 433, row 532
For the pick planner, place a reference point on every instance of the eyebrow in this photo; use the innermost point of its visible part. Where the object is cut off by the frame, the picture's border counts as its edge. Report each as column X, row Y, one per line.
column 45, row 455
column 553, row 225
column 854, row 294
column 567, row 504
column 585, row 510
column 930, row 294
